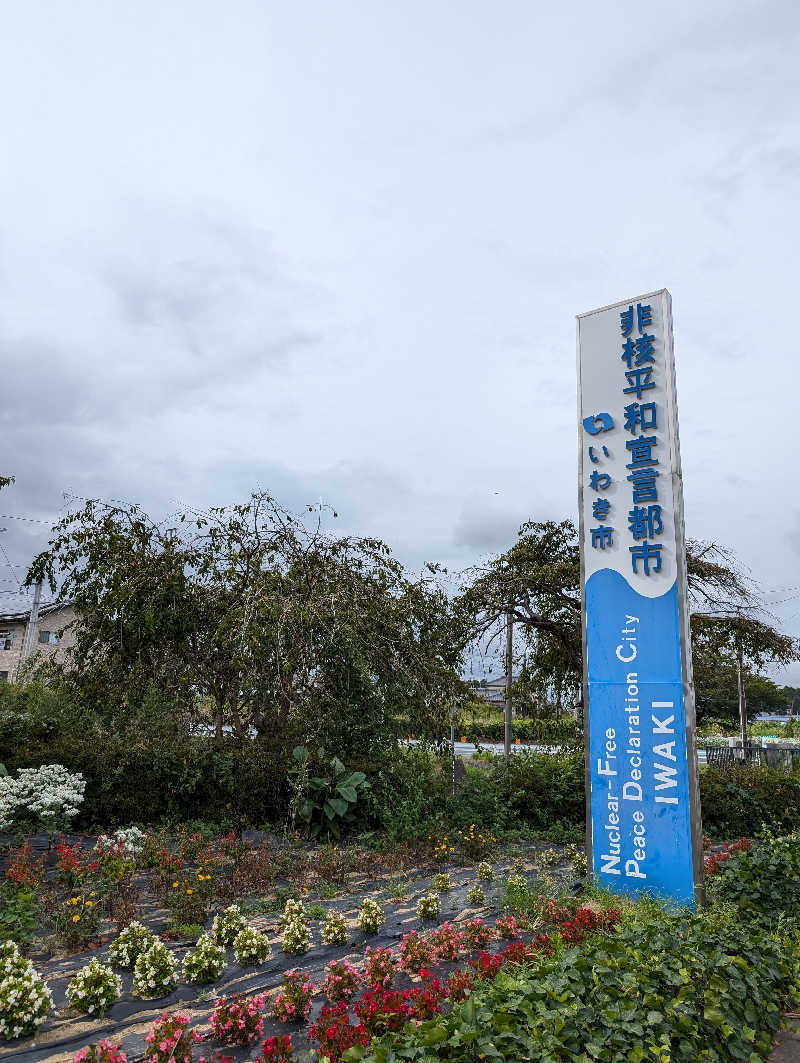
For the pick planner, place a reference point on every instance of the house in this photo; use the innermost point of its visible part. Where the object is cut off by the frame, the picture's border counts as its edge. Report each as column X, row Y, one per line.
column 52, row 636
column 493, row 690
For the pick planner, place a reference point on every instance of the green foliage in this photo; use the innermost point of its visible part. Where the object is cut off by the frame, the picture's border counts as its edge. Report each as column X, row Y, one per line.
column 683, row 988
column 19, row 915
column 276, row 625
column 763, row 882
column 325, row 803
column 543, row 789
column 736, row 801
column 150, row 770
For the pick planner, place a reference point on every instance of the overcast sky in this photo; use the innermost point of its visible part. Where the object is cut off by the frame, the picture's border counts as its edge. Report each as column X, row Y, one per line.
column 336, row 250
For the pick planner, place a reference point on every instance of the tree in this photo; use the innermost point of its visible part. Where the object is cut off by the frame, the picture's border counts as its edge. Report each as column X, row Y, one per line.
column 538, row 580
column 738, row 644
column 288, row 631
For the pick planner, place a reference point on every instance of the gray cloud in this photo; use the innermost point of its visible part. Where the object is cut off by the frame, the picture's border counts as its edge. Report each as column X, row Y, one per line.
column 338, row 252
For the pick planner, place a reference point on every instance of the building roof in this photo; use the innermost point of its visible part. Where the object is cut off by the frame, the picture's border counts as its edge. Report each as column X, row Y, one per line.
column 24, row 614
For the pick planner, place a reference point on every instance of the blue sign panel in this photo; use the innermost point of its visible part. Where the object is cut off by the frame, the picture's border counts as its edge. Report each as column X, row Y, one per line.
column 638, row 698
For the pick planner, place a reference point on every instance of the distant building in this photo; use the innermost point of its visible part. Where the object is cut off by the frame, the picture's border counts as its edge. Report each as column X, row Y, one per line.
column 493, row 690
column 53, row 636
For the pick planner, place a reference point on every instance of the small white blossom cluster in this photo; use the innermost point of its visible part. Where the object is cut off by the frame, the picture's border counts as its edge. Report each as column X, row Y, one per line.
column 130, row 841
column 294, row 923
column 549, row 858
column 476, row 898
column 132, row 941
column 251, row 947
column 442, row 883
column 370, row 916
column 47, row 795
column 334, row 929
column 206, row 962
column 429, row 906
column 517, row 884
column 25, row 1000
column 485, row 871
column 226, row 926
column 155, row 973
column 94, row 988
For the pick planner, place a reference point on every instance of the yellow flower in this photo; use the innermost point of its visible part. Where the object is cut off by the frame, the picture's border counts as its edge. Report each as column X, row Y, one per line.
column 174, row 885
column 188, row 891
column 92, row 894
column 76, row 919
column 89, row 904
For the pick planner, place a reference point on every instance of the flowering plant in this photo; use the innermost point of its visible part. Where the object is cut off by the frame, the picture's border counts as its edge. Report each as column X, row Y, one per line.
column 226, row 926
column 442, row 882
column 129, row 842
column 251, row 947
column 425, row 1000
column 334, row 929
column 429, row 906
column 104, row 1052
column 370, row 916
column 294, row 922
column 341, row 981
column 379, row 967
column 476, row 898
column 171, row 1040
column 189, row 898
column 48, row 796
column 205, row 962
column 485, row 872
column 238, row 1021
column 447, row 943
column 155, row 973
column 475, row 843
column 24, row 870
column 94, row 988
column 506, row 927
column 77, row 920
column 335, row 1033
column 383, row 1010
column 74, row 864
column 415, row 952
column 477, row 934
column 459, row 985
column 486, row 966
column 133, row 940
column 25, row 1000
column 277, row 1049
column 293, row 1002
column 548, row 858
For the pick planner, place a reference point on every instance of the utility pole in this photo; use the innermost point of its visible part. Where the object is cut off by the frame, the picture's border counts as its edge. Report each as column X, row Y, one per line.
column 509, row 664
column 33, row 620
column 742, row 700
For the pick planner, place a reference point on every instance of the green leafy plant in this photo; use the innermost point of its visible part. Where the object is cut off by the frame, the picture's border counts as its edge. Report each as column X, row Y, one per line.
column 25, row 1000
column 251, row 947
column 206, row 962
column 19, row 911
column 131, row 942
column 334, row 930
column 226, row 926
column 324, row 803
column 94, row 988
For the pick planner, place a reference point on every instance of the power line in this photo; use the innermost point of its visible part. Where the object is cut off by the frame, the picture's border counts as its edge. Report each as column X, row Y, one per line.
column 29, row 520
column 8, row 562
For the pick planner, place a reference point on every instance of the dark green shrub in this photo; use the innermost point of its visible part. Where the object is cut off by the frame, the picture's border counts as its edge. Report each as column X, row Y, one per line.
column 737, row 800
column 542, row 789
column 763, row 882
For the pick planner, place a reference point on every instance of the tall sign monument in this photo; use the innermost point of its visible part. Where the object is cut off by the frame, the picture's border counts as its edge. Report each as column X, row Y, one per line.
column 643, row 805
